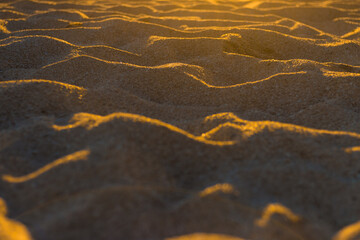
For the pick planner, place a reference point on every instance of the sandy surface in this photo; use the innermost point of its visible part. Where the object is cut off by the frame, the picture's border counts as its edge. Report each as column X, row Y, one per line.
column 180, row 120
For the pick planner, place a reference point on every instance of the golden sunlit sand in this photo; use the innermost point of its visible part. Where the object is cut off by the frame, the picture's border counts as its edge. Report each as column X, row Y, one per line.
column 179, row 120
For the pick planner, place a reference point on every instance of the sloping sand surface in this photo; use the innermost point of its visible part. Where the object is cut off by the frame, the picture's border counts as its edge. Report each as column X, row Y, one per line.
column 180, row 120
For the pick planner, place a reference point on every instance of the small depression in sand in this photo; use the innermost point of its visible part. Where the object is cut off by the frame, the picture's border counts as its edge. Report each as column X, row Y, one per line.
column 180, row 120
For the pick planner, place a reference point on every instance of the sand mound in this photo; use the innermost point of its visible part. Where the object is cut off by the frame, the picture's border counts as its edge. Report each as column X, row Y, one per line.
column 179, row 120
column 11, row 230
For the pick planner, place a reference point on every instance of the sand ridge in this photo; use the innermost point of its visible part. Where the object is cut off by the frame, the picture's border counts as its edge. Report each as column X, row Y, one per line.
column 179, row 119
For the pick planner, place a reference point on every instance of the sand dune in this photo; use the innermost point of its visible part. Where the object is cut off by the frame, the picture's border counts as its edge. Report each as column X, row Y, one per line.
column 180, row 119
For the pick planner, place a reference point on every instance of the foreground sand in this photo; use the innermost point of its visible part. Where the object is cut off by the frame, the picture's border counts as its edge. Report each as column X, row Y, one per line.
column 180, row 120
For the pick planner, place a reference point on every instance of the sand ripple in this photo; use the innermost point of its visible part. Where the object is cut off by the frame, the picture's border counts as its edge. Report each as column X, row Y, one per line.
column 180, row 119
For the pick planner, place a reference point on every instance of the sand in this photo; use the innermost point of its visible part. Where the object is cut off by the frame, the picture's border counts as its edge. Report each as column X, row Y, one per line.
column 180, row 120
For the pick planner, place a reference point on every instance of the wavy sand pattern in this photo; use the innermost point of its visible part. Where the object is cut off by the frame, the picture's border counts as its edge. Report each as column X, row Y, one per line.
column 180, row 120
